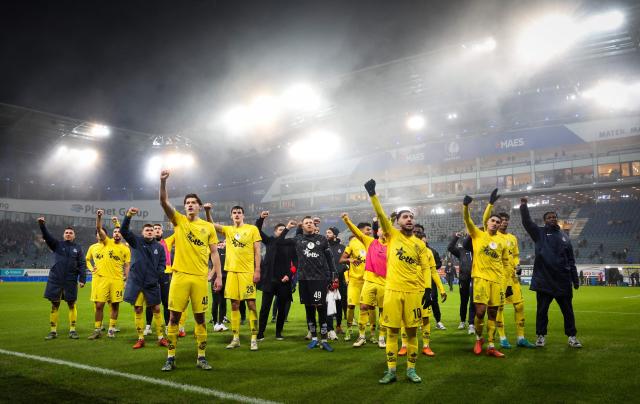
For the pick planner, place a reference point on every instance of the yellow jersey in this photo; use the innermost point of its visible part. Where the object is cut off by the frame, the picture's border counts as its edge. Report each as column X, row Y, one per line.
column 192, row 240
column 511, row 243
column 490, row 254
column 239, row 253
column 109, row 258
column 409, row 261
column 366, row 241
column 357, row 251
column 90, row 253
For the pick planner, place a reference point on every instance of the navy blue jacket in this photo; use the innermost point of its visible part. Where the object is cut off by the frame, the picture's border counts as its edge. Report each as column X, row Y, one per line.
column 554, row 268
column 277, row 259
column 148, row 259
column 463, row 251
column 70, row 264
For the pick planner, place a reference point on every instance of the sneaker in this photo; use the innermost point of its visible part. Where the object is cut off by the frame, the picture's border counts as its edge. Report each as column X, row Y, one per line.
column 540, row 341
column 347, row 335
column 427, row 351
column 472, row 329
column 440, row 326
column 182, row 333
column 73, row 334
column 339, row 330
column 223, row 328
column 504, row 343
column 402, row 351
column 388, row 377
column 116, row 329
column 360, row 342
column 95, row 334
column 381, row 342
column 254, row 345
column 574, row 343
column 139, row 344
column 203, row 364
column 51, row 335
column 494, row 352
column 225, row 320
column 260, row 338
column 332, row 336
column 169, row 365
column 462, row 325
column 147, row 330
column 411, row 375
column 308, row 336
column 279, row 337
column 235, row 343
column 477, row 348
column 325, row 345
column 217, row 327
column 373, row 339
column 524, row 343
column 163, row 342
column 111, row 333
column 313, row 344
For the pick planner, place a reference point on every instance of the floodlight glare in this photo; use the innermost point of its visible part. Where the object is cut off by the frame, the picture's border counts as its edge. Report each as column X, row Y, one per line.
column 301, row 97
column 317, row 146
column 264, row 110
column 546, row 38
column 416, row 122
column 604, row 22
column 99, row 130
column 236, row 119
column 487, row 45
column 614, row 95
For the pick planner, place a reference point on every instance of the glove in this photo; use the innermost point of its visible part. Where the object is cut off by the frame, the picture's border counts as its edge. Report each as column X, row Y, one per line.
column 426, row 299
column 518, row 270
column 467, row 200
column 494, row 196
column 509, row 291
column 576, row 285
column 370, row 186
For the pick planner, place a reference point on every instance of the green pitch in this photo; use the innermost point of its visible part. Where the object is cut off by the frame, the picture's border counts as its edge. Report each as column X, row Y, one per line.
column 606, row 369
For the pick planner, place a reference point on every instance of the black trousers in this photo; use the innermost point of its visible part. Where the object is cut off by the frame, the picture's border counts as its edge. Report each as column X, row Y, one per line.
column 164, row 297
column 274, row 311
column 542, row 313
column 450, row 282
column 218, row 303
column 466, row 298
column 435, row 306
column 283, row 291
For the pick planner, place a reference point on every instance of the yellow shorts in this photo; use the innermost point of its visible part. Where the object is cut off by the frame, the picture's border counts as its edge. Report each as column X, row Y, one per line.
column 487, row 292
column 372, row 294
column 427, row 313
column 516, row 297
column 402, row 309
column 354, row 290
column 107, row 290
column 187, row 286
column 140, row 300
column 240, row 286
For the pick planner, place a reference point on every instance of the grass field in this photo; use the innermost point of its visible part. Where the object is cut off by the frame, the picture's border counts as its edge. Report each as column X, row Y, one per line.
column 606, row 369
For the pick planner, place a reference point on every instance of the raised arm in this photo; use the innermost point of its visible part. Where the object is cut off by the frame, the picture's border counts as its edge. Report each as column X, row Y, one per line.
column 259, row 222
column 452, row 247
column 164, row 197
column 386, row 224
column 52, row 243
column 99, row 229
column 487, row 211
column 124, row 230
column 207, row 211
column 364, row 239
column 529, row 225
column 466, row 216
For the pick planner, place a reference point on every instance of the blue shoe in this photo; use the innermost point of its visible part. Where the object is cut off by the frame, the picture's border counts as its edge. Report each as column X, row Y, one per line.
column 524, row 343
column 325, row 345
column 411, row 375
column 504, row 343
column 313, row 344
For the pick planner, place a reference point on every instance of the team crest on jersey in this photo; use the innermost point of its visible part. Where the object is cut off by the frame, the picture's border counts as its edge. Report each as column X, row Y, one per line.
column 564, row 239
column 75, row 251
column 155, row 252
column 237, row 236
column 203, row 231
column 363, row 253
column 493, row 245
column 311, row 246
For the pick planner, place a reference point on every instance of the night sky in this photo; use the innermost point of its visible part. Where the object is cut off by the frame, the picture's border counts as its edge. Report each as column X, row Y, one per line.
column 160, row 67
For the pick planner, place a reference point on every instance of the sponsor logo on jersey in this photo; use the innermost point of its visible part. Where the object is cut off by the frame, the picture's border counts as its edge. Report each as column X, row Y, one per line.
column 193, row 239
column 491, row 253
column 310, row 254
column 237, row 243
column 401, row 254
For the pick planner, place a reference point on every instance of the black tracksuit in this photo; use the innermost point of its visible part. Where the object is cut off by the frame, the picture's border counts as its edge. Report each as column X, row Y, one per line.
column 462, row 249
column 435, row 306
column 554, row 272
column 218, row 302
column 275, row 265
column 337, row 249
column 68, row 269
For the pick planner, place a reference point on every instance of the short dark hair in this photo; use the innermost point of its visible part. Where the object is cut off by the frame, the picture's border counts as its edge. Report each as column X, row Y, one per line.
column 279, row 225
column 544, row 217
column 418, row 225
column 157, row 224
column 187, row 196
column 238, row 207
column 70, row 228
column 147, row 225
column 306, row 217
column 495, row 215
column 504, row 215
column 362, row 225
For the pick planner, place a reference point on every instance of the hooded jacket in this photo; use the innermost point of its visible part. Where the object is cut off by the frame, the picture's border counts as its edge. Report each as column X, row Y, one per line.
column 70, row 264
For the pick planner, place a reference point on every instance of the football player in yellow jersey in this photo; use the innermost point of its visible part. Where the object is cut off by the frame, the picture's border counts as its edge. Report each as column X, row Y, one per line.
column 372, row 294
column 355, row 256
column 242, row 263
column 195, row 243
column 112, row 259
column 490, row 256
column 408, row 284
column 513, row 292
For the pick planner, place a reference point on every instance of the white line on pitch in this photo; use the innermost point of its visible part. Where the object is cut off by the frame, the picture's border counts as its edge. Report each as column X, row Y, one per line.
column 631, row 297
column 507, row 307
column 160, row 382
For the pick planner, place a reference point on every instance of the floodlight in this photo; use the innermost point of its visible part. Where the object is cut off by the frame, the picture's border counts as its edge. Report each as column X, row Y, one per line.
column 546, row 38
column 301, row 97
column 416, row 122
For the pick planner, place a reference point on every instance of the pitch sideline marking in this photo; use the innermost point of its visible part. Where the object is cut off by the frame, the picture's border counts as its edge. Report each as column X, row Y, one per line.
column 582, row 311
column 631, row 297
column 167, row 383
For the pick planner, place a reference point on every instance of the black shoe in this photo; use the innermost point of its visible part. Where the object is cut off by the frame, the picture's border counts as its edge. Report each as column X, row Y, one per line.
column 279, row 337
column 260, row 337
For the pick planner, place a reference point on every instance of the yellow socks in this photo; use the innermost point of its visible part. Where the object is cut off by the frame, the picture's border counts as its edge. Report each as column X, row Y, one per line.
column 158, row 321
column 97, row 325
column 372, row 321
column 412, row 349
column 253, row 323
column 350, row 314
column 404, row 338
column 172, row 336
column 519, row 315
column 53, row 319
column 491, row 331
column 392, row 349
column 235, row 323
column 500, row 322
column 139, row 325
column 201, row 338
column 73, row 317
column 478, row 323
column 112, row 323
column 362, row 322
column 426, row 331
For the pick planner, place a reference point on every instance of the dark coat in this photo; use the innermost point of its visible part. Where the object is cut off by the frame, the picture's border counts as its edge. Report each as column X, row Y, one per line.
column 277, row 259
column 554, row 268
column 69, row 260
column 462, row 249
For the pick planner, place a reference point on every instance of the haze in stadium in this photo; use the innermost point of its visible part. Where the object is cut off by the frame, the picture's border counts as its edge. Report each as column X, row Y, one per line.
column 320, row 201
